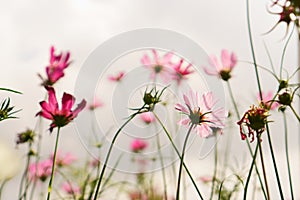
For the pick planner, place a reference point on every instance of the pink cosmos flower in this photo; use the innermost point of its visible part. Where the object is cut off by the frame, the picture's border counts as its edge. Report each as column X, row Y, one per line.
column 116, row 78
column 96, row 104
column 63, row 160
column 71, row 189
column 267, row 101
column 180, row 72
column 159, row 66
column 55, row 69
column 59, row 117
column 224, row 69
column 40, row 170
column 147, row 117
column 136, row 195
column 201, row 113
column 138, row 145
column 205, row 179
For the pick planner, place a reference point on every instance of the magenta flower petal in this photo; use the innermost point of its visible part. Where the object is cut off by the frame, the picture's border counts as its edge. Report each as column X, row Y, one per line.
column 67, row 102
column 79, row 108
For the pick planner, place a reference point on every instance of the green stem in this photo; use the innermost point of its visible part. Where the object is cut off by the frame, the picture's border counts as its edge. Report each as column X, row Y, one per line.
column 162, row 167
column 263, row 165
column 178, row 154
column 250, row 172
column 274, row 161
column 247, row 141
column 287, row 154
column 109, row 152
column 24, row 176
column 260, row 94
column 295, row 113
column 215, row 170
column 181, row 160
column 2, row 186
column 252, row 50
column 53, row 165
column 10, row 90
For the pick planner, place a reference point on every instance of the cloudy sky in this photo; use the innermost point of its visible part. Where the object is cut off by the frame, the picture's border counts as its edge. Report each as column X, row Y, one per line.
column 29, row 28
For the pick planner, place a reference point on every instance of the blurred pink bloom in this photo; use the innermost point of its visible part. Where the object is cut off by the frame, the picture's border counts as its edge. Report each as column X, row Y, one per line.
column 55, row 69
column 222, row 70
column 63, row 160
column 181, row 72
column 59, row 117
column 159, row 66
column 267, row 100
column 205, row 179
column 40, row 170
column 201, row 113
column 95, row 162
column 138, row 145
column 71, row 189
column 136, row 195
column 116, row 78
column 147, row 117
column 96, row 104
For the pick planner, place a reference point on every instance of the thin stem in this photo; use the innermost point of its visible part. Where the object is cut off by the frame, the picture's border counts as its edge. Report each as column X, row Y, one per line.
column 283, row 52
column 274, row 161
column 247, row 142
column 109, row 152
column 2, row 186
column 181, row 160
column 215, row 170
column 250, row 172
column 287, row 154
column 162, row 167
column 261, row 98
column 24, row 176
column 178, row 154
column 263, row 165
column 53, row 165
column 252, row 50
column 295, row 113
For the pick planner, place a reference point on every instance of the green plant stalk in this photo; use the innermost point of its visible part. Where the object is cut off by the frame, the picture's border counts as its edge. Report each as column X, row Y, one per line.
column 181, row 160
column 295, row 113
column 178, row 154
column 53, row 165
column 2, row 186
column 247, row 142
column 109, row 152
column 215, row 170
column 261, row 98
column 287, row 154
column 263, row 165
column 250, row 172
column 162, row 167
column 24, row 176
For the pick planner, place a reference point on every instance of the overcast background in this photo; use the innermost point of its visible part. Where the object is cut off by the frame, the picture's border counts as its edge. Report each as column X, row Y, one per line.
column 29, row 28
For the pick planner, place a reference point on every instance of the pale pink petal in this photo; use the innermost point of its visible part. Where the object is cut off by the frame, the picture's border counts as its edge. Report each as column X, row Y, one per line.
column 79, row 108
column 146, row 60
column 225, row 58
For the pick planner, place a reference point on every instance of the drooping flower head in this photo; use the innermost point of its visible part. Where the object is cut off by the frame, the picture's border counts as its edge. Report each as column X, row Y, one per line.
column 57, row 65
column 289, row 14
column 40, row 170
column 255, row 119
column 180, row 72
column 138, row 145
column 201, row 113
column 116, row 78
column 71, row 188
column 223, row 69
column 147, row 117
column 25, row 136
column 59, row 116
column 268, row 102
column 161, row 66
